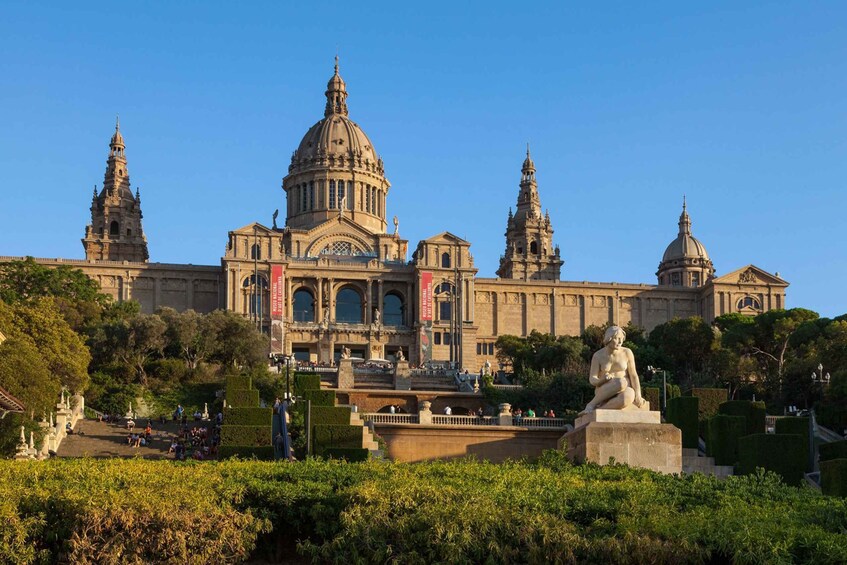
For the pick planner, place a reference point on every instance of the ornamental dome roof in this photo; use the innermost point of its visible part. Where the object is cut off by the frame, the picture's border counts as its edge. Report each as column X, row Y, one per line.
column 685, row 246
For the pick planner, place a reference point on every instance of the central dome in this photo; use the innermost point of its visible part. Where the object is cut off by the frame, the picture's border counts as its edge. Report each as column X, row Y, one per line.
column 339, row 137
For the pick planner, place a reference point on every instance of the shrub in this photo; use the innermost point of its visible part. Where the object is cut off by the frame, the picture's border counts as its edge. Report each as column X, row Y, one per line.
column 797, row 426
column 320, row 397
column 834, row 477
column 350, row 454
column 781, row 453
column 336, row 436
column 722, row 439
column 710, row 400
column 330, row 415
column 753, row 412
column 168, row 370
column 652, row 395
column 262, row 453
column 682, row 413
column 248, row 416
column 242, row 397
column 249, row 436
column 833, row 450
column 238, row 382
column 306, row 381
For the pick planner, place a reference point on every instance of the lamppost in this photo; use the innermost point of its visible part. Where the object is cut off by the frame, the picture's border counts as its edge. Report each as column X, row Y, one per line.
column 653, row 370
column 819, row 377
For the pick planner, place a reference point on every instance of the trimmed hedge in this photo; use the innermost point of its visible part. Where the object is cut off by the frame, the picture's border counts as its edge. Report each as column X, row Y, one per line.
column 781, row 453
column 682, row 413
column 330, row 415
column 753, row 412
column 834, row 477
column 336, row 436
column 320, row 397
column 710, row 401
column 263, row 453
column 722, row 439
column 833, row 450
column 239, row 382
column 242, row 397
column 246, row 436
column 249, row 416
column 797, row 426
column 350, row 454
column 651, row 395
column 306, row 381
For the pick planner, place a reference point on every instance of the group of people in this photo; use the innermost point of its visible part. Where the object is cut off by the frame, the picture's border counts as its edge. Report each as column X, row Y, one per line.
column 138, row 439
column 519, row 414
column 198, row 441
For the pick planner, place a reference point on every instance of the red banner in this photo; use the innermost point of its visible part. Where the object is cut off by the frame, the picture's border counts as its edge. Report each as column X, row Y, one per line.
column 277, row 292
column 426, row 296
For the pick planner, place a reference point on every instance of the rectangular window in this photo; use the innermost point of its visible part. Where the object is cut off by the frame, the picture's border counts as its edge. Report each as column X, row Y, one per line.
column 479, row 347
column 331, row 194
column 436, row 338
column 491, row 349
column 311, row 195
column 695, row 279
column 676, row 280
column 447, row 340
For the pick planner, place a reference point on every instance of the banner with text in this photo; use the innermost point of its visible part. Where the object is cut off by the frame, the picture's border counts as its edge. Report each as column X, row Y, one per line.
column 277, row 308
column 426, row 295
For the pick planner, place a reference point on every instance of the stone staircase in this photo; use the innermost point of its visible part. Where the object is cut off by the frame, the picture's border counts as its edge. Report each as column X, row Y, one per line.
column 380, row 382
column 421, row 382
column 368, row 441
column 692, row 462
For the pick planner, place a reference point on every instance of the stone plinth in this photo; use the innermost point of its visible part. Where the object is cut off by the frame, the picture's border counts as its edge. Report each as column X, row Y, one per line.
column 620, row 417
column 345, row 374
column 638, row 443
column 402, row 376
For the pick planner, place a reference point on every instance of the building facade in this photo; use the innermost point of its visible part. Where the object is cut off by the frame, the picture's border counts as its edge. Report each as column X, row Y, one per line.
column 336, row 274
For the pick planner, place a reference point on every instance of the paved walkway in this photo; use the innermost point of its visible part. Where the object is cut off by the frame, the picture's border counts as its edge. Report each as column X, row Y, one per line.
column 99, row 439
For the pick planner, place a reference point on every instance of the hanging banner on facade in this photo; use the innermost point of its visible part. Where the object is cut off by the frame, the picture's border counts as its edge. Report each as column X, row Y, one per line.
column 277, row 295
column 426, row 295
column 425, row 343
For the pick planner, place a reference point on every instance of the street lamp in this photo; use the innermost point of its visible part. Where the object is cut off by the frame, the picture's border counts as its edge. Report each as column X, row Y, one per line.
column 819, row 377
column 653, row 370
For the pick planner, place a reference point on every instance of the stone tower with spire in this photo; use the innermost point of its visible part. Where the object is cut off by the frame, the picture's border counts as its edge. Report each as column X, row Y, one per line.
column 530, row 254
column 115, row 232
column 685, row 262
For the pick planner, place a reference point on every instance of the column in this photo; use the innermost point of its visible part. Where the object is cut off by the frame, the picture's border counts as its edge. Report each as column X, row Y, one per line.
column 407, row 314
column 368, row 303
column 553, row 312
column 380, row 297
column 157, row 292
column 189, row 293
column 319, row 301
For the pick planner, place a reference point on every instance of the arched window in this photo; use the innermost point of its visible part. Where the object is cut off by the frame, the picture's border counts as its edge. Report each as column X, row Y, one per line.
column 367, row 198
column 114, row 228
column 348, row 306
column 749, row 302
column 444, row 297
column 255, row 295
column 445, row 260
column 256, row 252
column 373, row 200
column 533, row 248
column 392, row 309
column 331, row 195
column 304, row 306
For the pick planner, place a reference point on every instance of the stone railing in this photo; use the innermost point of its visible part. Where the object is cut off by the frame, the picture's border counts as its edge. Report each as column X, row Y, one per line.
column 67, row 412
column 547, row 423
column 504, row 418
column 310, row 369
column 382, row 418
column 451, row 420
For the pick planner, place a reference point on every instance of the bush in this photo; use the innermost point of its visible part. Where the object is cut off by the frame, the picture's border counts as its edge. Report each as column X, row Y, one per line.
column 262, row 453
column 306, row 381
column 320, row 397
column 753, row 412
column 652, row 395
column 722, row 439
column 833, row 450
column 781, row 453
column 834, row 477
column 350, row 454
column 246, row 436
column 330, row 415
column 168, row 371
column 336, row 436
column 797, row 426
column 682, row 413
column 239, row 382
column 248, row 416
column 242, row 397
column 710, row 400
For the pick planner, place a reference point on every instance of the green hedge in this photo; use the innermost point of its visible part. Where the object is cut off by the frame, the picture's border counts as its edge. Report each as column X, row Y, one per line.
column 263, row 453
column 350, row 454
column 710, row 401
column 833, row 450
column 682, row 413
column 753, row 412
column 781, row 453
column 320, row 397
column 651, row 395
column 239, row 382
column 249, row 436
column 330, row 415
column 834, row 477
column 722, row 439
column 306, row 381
column 248, row 416
column 797, row 426
column 242, row 397
column 336, row 436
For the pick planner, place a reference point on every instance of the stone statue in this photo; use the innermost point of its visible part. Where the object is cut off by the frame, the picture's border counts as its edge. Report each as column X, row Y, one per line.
column 345, row 352
column 341, row 204
column 396, row 225
column 276, row 213
column 377, row 316
column 613, row 375
column 486, row 368
column 400, row 356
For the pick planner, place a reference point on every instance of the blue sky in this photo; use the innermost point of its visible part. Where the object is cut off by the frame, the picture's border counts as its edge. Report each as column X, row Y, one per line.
column 739, row 106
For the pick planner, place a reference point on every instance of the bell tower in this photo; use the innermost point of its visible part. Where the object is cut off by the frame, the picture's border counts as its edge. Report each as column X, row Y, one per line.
column 115, row 232
column 530, row 254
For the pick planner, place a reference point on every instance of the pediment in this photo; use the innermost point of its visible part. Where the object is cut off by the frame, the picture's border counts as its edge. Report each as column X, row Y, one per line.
column 446, row 237
column 252, row 228
column 750, row 275
column 339, row 226
column 346, row 236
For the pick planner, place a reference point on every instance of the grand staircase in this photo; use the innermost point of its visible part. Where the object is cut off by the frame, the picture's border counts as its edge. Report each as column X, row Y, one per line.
column 693, row 462
column 368, row 440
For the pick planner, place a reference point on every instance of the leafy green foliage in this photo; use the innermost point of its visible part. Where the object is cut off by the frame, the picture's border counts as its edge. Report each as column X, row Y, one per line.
column 241, row 397
column 325, row 436
column 306, row 381
column 248, row 416
column 682, row 413
column 325, row 415
column 320, row 397
column 238, row 382
column 246, row 436
column 753, row 412
column 784, row 454
column 722, row 439
column 349, row 454
column 539, row 353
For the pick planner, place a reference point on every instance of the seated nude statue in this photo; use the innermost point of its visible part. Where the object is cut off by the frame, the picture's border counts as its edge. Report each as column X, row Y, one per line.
column 613, row 375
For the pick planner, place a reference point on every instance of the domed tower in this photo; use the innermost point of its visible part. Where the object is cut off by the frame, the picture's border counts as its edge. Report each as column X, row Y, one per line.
column 336, row 170
column 115, row 230
column 530, row 254
column 685, row 262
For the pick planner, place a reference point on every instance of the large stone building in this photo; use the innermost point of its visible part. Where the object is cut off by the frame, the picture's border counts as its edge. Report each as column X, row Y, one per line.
column 337, row 275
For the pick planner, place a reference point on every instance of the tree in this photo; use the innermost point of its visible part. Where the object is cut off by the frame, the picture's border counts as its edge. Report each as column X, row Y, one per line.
column 188, row 335
column 24, row 374
column 686, row 345
column 135, row 341
column 235, row 340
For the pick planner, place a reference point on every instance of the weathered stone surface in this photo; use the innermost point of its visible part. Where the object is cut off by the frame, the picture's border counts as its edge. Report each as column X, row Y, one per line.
column 625, row 416
column 651, row 446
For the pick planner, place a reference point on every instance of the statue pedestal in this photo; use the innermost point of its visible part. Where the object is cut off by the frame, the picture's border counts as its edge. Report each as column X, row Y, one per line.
column 345, row 374
column 635, row 437
column 402, row 376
